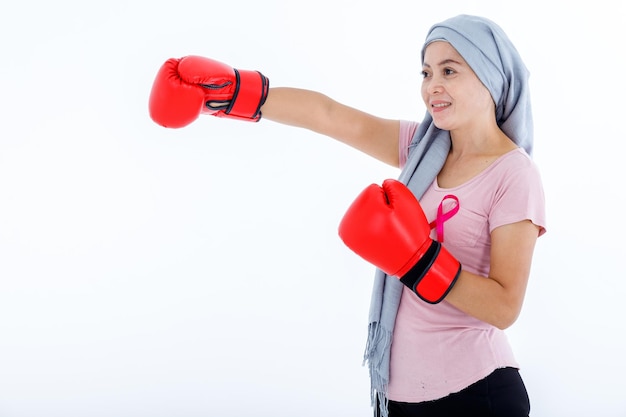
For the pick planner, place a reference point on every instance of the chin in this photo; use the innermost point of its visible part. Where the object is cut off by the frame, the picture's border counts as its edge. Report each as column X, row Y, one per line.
column 441, row 125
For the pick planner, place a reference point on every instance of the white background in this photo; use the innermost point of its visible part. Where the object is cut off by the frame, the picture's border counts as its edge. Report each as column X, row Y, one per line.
column 198, row 272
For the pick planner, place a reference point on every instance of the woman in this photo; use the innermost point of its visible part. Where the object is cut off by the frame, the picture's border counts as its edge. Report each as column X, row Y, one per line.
column 468, row 164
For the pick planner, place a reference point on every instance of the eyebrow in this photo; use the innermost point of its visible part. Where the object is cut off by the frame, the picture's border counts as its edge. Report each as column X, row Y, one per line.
column 444, row 62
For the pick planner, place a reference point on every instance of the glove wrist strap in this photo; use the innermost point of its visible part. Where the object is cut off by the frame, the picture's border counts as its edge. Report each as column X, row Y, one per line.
column 250, row 95
column 434, row 275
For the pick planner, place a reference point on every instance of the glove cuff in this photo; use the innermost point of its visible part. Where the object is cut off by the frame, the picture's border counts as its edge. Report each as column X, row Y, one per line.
column 250, row 94
column 434, row 275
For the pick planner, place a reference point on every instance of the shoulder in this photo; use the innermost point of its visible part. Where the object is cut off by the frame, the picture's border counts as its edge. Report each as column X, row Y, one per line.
column 517, row 158
column 518, row 192
column 517, row 165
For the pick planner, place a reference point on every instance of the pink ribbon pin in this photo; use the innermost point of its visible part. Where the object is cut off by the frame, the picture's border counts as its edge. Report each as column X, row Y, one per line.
column 443, row 217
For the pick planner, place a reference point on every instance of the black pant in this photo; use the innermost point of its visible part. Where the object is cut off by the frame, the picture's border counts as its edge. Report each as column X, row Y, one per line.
column 501, row 394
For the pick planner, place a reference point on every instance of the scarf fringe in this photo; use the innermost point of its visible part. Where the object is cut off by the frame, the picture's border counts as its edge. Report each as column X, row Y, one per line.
column 378, row 343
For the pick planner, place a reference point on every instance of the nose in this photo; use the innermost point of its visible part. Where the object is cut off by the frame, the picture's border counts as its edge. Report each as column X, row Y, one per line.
column 434, row 85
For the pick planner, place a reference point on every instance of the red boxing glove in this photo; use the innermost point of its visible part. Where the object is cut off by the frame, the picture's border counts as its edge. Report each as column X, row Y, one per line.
column 387, row 227
column 184, row 88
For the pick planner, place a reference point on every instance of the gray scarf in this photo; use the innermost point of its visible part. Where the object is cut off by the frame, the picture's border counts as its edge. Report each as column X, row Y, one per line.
column 496, row 62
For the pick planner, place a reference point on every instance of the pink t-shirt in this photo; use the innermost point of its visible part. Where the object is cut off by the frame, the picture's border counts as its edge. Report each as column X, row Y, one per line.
column 437, row 349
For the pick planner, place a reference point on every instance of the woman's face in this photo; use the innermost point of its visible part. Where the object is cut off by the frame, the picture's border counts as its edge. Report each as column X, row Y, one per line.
column 453, row 94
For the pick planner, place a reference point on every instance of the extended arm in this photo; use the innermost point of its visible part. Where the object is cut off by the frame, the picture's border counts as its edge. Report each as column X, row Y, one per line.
column 188, row 87
column 311, row 110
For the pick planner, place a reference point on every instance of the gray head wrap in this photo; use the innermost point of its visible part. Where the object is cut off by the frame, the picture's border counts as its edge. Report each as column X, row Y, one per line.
column 496, row 62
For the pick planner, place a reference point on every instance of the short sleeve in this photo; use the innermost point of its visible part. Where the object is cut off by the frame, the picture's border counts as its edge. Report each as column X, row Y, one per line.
column 520, row 196
column 407, row 131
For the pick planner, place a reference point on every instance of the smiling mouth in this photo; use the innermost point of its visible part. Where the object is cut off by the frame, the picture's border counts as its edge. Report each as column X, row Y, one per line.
column 440, row 105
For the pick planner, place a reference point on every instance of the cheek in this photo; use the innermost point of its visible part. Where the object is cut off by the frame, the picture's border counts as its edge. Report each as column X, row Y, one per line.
column 482, row 97
column 424, row 94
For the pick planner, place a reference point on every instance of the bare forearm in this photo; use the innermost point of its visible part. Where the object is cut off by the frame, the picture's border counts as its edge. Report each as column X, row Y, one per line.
column 317, row 112
column 485, row 299
column 296, row 107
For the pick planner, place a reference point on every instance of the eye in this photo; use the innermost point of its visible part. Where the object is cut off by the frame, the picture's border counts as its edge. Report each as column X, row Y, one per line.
column 425, row 74
column 448, row 71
